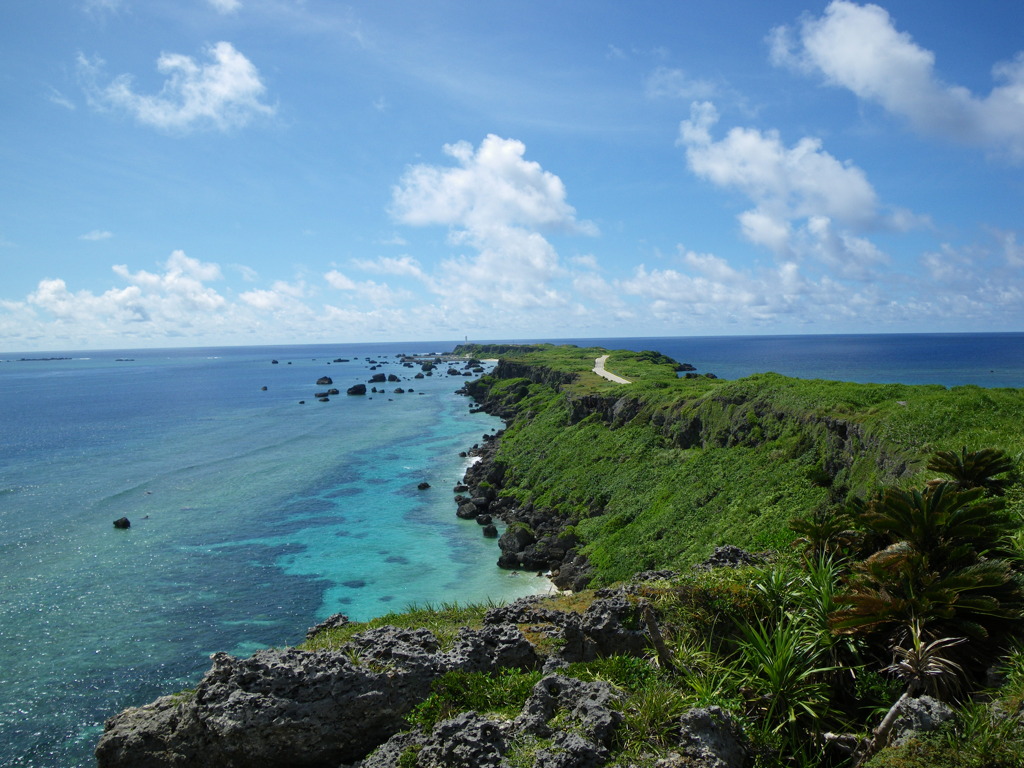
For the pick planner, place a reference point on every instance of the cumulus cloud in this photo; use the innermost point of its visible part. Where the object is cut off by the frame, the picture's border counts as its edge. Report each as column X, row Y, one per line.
column 280, row 296
column 224, row 93
column 785, row 182
column 492, row 184
column 102, row 6
column 858, row 47
column 151, row 305
column 402, row 266
column 498, row 204
column 182, row 281
column 1013, row 252
column 376, row 294
column 341, row 282
column 807, row 203
column 947, row 265
column 704, row 290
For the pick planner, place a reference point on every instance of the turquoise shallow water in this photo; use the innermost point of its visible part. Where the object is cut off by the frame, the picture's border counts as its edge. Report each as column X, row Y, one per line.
column 252, row 516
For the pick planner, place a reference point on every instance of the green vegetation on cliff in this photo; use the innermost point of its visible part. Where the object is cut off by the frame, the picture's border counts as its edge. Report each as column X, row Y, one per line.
column 893, row 516
column 656, row 473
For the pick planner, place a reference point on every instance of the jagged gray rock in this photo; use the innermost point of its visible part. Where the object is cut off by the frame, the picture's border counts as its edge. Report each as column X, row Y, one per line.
column 729, row 556
column 331, row 622
column 917, row 716
column 711, row 738
column 303, row 708
column 470, row 740
column 390, row 752
column 588, row 704
column 489, row 649
column 290, row 707
column 465, row 741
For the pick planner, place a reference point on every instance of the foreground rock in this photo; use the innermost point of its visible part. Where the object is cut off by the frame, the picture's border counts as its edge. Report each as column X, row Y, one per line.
column 327, row 708
column 302, row 708
column 583, row 736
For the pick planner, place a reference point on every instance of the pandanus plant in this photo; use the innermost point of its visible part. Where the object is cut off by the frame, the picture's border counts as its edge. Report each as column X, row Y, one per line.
column 923, row 666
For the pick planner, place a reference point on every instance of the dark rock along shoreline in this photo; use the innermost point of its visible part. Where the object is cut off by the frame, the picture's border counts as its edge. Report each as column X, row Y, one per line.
column 348, row 707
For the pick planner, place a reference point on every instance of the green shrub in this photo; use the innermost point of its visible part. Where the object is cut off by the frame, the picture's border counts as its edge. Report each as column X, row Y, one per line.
column 503, row 693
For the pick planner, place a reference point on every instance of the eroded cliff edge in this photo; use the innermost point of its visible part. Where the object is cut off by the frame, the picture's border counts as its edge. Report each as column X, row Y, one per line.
column 602, row 482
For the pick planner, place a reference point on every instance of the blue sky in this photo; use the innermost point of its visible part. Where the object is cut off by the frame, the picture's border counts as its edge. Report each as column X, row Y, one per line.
column 204, row 172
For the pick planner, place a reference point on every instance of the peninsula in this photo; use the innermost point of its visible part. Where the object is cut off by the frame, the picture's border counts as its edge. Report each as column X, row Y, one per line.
column 762, row 572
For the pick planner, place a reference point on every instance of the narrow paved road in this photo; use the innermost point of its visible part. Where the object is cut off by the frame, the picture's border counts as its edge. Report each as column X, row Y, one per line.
column 600, row 371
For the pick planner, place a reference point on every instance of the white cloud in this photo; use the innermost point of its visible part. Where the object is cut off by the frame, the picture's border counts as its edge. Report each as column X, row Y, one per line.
column 807, row 204
column 669, row 83
column 947, row 265
column 587, row 260
column 496, row 203
column 337, row 280
column 761, row 228
column 58, row 98
column 795, row 182
column 152, row 305
column 377, row 294
column 704, row 291
column 102, row 6
column 225, row 6
column 493, row 184
column 845, row 254
column 405, row 266
column 96, row 234
column 248, row 274
column 281, row 296
column 1013, row 252
column 859, row 48
column 182, row 281
column 224, row 93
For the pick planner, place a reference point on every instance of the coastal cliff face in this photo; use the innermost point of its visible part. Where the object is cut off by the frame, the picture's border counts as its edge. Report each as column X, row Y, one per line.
column 603, row 483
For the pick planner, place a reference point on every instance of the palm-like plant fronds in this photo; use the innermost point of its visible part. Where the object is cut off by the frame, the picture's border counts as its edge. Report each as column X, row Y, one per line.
column 899, row 585
column 825, row 532
column 925, row 665
column 951, row 525
column 974, row 469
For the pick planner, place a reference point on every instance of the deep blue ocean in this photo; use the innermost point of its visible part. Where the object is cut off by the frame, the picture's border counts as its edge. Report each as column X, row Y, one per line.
column 254, row 517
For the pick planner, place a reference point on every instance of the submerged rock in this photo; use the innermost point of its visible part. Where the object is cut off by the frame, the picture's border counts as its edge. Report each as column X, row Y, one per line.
column 122, row 522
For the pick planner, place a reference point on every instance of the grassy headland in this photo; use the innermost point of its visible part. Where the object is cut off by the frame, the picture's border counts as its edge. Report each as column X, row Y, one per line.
column 656, row 473
column 892, row 567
